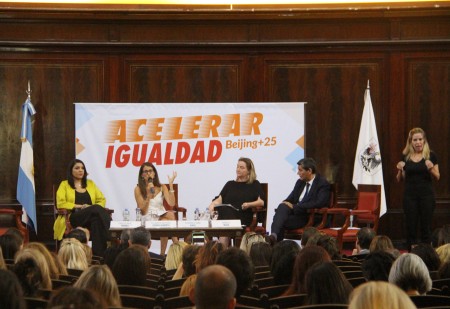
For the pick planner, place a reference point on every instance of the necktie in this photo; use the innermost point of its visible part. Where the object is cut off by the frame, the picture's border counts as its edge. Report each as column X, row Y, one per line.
column 306, row 191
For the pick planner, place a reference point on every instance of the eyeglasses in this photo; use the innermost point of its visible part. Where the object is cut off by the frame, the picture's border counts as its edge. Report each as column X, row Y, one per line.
column 147, row 171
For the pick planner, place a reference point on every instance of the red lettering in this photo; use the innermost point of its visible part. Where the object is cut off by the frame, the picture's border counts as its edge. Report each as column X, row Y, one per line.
column 139, row 156
column 109, row 156
column 183, row 151
column 167, row 158
column 155, row 154
column 198, row 154
column 122, row 157
column 214, row 151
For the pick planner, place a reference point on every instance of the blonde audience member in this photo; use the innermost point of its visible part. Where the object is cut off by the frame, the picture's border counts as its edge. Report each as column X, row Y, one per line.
column 99, row 279
column 249, row 239
column 378, row 295
column 52, row 267
column 174, row 255
column 62, row 269
column 73, row 254
column 410, row 274
column 39, row 260
column 188, row 286
column 444, row 253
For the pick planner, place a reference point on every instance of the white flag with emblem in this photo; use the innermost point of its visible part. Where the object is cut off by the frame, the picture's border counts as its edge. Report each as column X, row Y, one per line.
column 368, row 166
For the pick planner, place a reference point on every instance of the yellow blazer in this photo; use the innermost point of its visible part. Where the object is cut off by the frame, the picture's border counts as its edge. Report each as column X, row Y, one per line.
column 65, row 199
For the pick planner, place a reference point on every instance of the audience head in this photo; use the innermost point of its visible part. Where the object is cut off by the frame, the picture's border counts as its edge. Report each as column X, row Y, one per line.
column 140, row 236
column 10, row 245
column 308, row 232
column 52, row 266
column 411, row 274
column 131, row 266
column 207, row 254
column 305, row 259
column 188, row 287
column 440, row 236
column 99, row 279
column 29, row 276
column 250, row 238
column 381, row 243
column 330, row 245
column 444, row 253
column 326, row 284
column 76, row 298
column 215, row 288
column 125, row 237
column 73, row 254
column 239, row 263
column 428, row 254
column 261, row 254
column 250, row 168
column 283, row 259
column 27, row 254
column 377, row 265
column 79, row 234
column 444, row 271
column 174, row 255
column 11, row 294
column 18, row 234
column 379, row 294
column 364, row 237
column 188, row 259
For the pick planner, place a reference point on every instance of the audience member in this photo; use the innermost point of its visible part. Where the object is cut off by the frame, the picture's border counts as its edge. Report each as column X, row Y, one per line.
column 440, row 236
column 239, row 263
column 18, row 234
column 62, row 269
column 444, row 271
column 379, row 295
column 283, row 259
column 411, row 274
column 383, row 243
column 188, row 286
column 377, row 265
column 428, row 254
column 187, row 265
column 141, row 236
column 27, row 254
column 207, row 254
column 82, row 235
column 250, row 238
column 100, row 280
column 76, row 298
column 310, row 191
column 112, row 251
column 52, row 267
column 215, row 288
column 261, row 254
column 363, row 239
column 330, row 245
column 326, row 284
column 305, row 259
column 444, row 253
column 174, row 255
column 73, row 254
column 11, row 294
column 2, row 260
column 10, row 245
column 307, row 233
column 131, row 266
column 29, row 276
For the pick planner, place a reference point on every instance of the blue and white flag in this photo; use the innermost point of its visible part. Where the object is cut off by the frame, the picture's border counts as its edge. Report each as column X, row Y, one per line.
column 25, row 182
column 368, row 168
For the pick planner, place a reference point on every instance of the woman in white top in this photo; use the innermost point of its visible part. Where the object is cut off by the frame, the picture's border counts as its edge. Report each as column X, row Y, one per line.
column 150, row 195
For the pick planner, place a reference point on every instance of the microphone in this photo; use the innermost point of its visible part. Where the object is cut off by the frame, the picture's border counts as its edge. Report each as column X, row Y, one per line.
column 152, row 189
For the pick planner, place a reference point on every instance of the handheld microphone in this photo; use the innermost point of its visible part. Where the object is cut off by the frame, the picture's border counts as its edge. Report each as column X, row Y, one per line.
column 152, row 189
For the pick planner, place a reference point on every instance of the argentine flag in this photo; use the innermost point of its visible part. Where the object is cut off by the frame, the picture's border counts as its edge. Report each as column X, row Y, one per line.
column 25, row 182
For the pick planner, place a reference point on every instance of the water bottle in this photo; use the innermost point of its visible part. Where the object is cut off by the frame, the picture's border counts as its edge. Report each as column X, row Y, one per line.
column 196, row 214
column 126, row 215
column 207, row 214
column 138, row 214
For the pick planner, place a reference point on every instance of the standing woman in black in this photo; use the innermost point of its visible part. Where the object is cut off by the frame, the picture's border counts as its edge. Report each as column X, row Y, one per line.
column 419, row 166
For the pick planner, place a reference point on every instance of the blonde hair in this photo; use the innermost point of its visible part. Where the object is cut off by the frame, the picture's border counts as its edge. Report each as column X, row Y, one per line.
column 174, row 255
column 250, row 167
column 188, row 285
column 381, row 243
column 444, row 253
column 249, row 239
column 99, row 279
column 52, row 267
column 73, row 254
column 409, row 149
column 2, row 260
column 379, row 294
column 39, row 258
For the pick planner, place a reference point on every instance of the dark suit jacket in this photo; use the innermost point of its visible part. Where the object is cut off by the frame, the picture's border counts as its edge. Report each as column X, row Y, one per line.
column 318, row 195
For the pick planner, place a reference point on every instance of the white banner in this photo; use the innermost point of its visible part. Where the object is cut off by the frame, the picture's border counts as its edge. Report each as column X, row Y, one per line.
column 202, row 142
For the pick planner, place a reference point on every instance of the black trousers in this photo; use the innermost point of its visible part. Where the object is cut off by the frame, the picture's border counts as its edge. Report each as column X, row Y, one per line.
column 97, row 220
column 418, row 210
column 284, row 218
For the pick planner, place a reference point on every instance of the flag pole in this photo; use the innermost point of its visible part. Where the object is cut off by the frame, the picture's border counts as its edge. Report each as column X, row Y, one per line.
column 368, row 85
column 29, row 90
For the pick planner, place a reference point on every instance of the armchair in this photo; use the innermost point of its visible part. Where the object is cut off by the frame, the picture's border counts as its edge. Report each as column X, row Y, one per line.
column 176, row 208
column 11, row 216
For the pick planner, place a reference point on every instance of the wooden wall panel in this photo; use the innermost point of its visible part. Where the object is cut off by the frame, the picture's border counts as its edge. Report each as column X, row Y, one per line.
column 189, row 80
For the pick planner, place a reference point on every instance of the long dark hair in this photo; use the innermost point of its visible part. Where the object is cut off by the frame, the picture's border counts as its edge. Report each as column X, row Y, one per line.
column 141, row 182
column 70, row 176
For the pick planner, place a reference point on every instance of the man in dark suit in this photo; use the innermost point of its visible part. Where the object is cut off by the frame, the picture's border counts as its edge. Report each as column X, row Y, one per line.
column 310, row 191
